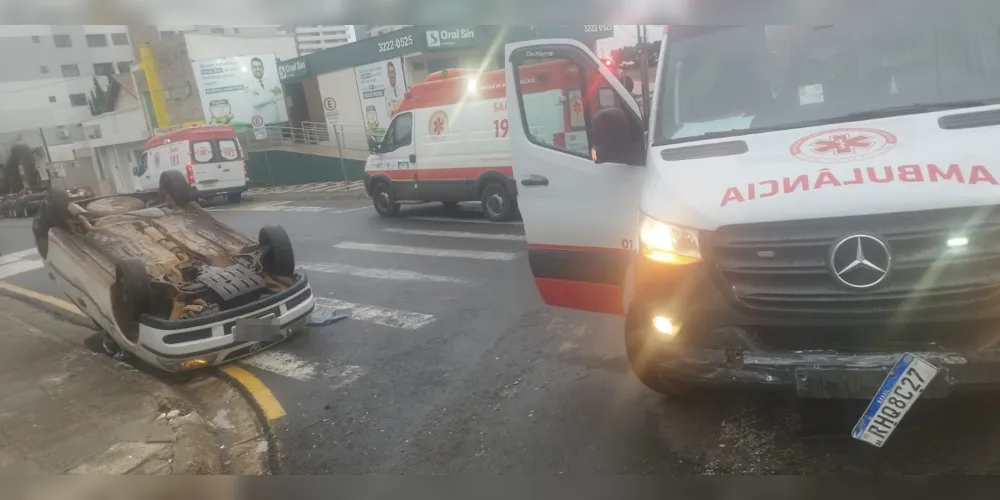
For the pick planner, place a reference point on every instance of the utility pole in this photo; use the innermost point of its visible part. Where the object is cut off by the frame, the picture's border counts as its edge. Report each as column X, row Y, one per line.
column 641, row 46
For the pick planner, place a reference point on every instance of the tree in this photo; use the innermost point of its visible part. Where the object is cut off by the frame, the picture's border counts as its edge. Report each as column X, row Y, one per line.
column 627, row 56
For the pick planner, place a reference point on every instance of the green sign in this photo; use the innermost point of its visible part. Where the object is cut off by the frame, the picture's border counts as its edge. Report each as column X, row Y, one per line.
column 292, row 69
column 449, row 38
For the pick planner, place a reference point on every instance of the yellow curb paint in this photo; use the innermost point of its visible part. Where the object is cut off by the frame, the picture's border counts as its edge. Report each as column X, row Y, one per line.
column 48, row 299
column 263, row 396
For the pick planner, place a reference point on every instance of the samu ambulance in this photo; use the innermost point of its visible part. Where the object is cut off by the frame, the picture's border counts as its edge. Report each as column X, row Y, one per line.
column 448, row 142
column 812, row 208
column 210, row 157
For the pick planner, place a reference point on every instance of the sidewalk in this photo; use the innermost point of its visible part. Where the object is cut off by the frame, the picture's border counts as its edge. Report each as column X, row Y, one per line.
column 312, row 191
column 66, row 409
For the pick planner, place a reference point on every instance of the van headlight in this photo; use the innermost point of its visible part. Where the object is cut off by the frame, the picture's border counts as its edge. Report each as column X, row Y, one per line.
column 668, row 243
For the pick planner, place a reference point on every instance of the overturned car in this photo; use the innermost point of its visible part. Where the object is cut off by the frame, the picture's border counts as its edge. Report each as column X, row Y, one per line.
column 166, row 281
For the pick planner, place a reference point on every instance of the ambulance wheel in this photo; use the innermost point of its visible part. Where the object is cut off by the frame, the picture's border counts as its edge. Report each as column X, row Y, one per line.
column 385, row 205
column 234, row 197
column 498, row 204
column 642, row 353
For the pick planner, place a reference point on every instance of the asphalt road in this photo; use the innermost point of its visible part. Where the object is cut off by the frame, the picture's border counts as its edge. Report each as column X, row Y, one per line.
column 450, row 363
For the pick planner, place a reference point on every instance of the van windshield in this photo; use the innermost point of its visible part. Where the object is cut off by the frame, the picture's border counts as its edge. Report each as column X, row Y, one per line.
column 735, row 80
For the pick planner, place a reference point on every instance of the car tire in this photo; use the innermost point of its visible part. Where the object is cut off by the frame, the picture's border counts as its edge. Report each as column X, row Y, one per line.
column 234, row 197
column 278, row 258
column 132, row 296
column 498, row 204
column 383, row 200
column 176, row 188
column 642, row 359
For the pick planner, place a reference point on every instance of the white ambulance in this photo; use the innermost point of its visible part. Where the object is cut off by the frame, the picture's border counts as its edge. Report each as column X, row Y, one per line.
column 448, row 141
column 815, row 209
column 209, row 156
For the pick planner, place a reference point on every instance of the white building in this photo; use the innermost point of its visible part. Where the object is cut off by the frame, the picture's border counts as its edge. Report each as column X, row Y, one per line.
column 318, row 37
column 253, row 30
column 48, row 74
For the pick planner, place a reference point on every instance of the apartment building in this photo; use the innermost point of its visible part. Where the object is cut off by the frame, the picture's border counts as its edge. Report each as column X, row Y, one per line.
column 310, row 38
column 251, row 30
column 48, row 74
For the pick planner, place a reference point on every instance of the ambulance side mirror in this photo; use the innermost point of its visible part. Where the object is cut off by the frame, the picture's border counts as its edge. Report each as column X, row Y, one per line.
column 617, row 139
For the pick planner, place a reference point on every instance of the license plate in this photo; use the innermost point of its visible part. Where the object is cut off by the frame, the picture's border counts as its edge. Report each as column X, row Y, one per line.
column 257, row 330
column 907, row 380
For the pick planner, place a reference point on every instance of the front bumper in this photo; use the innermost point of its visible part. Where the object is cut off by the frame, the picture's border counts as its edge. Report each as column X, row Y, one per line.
column 720, row 343
column 191, row 344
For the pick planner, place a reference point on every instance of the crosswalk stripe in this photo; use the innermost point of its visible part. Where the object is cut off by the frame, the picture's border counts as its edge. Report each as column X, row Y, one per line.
column 16, row 256
column 430, row 252
column 392, row 318
column 18, row 267
column 456, row 234
column 282, row 363
column 385, row 274
column 462, row 221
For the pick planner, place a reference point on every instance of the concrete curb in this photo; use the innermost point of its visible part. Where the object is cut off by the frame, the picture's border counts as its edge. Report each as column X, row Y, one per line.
column 195, row 451
column 77, row 318
column 271, row 461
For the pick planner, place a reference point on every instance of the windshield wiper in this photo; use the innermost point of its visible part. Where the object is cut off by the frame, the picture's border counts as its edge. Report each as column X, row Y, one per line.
column 909, row 109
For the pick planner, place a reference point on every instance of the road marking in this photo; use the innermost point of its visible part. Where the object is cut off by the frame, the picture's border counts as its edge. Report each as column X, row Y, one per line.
column 430, row 252
column 15, row 256
column 381, row 316
column 384, row 274
column 48, row 299
column 462, row 221
column 18, row 267
column 282, row 363
column 259, row 392
column 366, row 207
column 345, row 376
column 456, row 234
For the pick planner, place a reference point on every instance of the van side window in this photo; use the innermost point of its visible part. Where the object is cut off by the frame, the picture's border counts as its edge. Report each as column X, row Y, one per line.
column 553, row 94
column 141, row 168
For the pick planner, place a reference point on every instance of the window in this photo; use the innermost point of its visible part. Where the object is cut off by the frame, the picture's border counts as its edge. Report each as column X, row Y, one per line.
column 44, row 69
column 203, row 151
column 104, row 69
column 218, row 31
column 35, row 39
column 125, row 67
column 70, row 70
column 97, row 40
column 52, row 98
column 78, row 99
column 399, row 133
column 62, row 41
column 229, row 150
column 119, row 38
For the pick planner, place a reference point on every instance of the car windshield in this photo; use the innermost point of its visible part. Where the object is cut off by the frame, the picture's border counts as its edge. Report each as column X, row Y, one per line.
column 729, row 81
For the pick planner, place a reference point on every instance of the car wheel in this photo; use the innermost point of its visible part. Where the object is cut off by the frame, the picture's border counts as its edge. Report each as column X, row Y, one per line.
column 498, row 204
column 642, row 356
column 383, row 200
column 131, row 296
column 234, row 197
column 176, row 188
column 278, row 258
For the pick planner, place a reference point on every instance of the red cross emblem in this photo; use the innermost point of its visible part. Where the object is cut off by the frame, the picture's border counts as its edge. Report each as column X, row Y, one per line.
column 438, row 123
column 577, row 106
column 842, row 144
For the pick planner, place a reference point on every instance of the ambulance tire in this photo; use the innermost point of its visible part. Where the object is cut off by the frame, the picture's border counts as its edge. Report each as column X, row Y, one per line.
column 382, row 198
column 498, row 204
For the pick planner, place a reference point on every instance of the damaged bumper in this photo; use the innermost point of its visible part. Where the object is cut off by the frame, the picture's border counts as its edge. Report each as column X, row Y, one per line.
column 206, row 341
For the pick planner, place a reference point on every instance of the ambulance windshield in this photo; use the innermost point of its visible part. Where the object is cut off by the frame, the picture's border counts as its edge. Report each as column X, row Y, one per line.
column 730, row 81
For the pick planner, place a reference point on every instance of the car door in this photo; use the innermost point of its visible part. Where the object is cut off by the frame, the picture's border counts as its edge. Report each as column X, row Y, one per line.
column 398, row 159
column 579, row 203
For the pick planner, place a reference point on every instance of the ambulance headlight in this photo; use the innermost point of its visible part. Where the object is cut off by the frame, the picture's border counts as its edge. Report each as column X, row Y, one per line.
column 667, row 243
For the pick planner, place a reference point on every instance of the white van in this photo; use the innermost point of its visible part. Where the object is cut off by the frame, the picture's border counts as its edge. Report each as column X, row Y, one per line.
column 209, row 156
column 448, row 140
column 815, row 209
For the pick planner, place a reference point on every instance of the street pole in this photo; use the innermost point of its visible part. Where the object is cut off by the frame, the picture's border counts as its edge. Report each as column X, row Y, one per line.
column 643, row 73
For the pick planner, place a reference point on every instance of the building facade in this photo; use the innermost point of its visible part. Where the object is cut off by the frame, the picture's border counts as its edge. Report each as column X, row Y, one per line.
column 316, row 37
column 49, row 73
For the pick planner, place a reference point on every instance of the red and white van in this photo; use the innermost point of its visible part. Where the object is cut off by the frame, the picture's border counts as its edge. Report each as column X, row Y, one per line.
column 210, row 157
column 448, row 139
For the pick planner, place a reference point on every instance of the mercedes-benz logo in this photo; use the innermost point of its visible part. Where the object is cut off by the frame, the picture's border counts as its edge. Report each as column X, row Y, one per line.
column 860, row 261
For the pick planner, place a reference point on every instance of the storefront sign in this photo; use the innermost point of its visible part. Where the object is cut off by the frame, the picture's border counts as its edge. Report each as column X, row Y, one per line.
column 235, row 89
column 450, row 38
column 292, row 69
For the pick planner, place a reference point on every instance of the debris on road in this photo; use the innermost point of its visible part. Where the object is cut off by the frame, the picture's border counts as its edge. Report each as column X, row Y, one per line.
column 325, row 316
